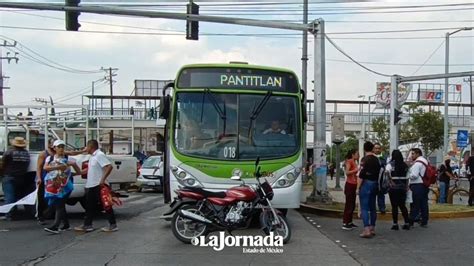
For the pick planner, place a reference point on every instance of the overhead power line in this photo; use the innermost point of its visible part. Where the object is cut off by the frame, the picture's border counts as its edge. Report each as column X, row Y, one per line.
column 429, row 57
column 34, row 56
column 353, row 60
column 235, row 34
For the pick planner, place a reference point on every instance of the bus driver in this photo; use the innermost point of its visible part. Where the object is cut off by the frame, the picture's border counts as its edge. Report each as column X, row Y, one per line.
column 275, row 128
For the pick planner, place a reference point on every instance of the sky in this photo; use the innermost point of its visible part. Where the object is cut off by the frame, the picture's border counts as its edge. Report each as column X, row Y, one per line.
column 152, row 55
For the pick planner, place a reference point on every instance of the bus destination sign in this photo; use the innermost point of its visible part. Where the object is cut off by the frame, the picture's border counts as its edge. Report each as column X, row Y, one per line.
column 232, row 78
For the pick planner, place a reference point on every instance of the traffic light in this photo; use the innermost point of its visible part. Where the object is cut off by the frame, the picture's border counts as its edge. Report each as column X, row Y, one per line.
column 192, row 27
column 71, row 16
column 398, row 114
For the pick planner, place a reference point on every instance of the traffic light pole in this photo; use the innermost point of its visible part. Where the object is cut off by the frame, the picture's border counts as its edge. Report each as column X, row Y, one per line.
column 393, row 103
column 393, row 106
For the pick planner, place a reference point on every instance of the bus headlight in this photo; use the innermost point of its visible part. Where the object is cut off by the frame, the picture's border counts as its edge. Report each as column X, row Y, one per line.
column 185, row 178
column 286, row 180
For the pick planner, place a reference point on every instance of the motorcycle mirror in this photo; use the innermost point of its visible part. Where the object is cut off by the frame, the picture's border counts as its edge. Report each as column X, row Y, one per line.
column 257, row 173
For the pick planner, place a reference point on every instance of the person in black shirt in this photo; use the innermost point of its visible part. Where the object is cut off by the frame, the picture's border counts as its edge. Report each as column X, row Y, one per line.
column 367, row 187
column 445, row 174
column 15, row 163
column 397, row 170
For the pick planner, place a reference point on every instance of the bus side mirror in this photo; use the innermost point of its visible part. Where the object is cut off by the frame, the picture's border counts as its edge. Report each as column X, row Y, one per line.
column 166, row 102
column 303, row 111
column 165, row 107
column 303, row 106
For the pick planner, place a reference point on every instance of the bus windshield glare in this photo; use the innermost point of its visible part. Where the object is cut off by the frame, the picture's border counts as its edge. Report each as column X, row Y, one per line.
column 236, row 126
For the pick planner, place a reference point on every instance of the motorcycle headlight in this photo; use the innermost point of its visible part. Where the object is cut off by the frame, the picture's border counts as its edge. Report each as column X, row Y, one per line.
column 286, row 180
column 185, row 178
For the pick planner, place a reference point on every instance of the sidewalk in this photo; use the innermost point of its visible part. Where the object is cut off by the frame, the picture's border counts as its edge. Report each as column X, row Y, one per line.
column 335, row 208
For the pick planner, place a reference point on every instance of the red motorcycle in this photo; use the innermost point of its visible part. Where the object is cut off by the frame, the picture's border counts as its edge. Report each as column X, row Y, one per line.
column 229, row 210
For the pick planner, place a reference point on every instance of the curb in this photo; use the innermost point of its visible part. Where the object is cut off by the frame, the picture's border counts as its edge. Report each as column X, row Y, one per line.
column 388, row 216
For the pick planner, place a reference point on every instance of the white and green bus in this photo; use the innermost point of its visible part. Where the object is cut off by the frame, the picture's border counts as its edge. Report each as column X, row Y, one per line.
column 221, row 117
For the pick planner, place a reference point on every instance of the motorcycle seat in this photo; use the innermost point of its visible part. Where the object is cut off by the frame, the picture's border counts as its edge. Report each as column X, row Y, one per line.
column 206, row 193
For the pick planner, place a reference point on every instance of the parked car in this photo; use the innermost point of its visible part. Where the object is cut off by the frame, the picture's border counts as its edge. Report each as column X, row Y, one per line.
column 151, row 174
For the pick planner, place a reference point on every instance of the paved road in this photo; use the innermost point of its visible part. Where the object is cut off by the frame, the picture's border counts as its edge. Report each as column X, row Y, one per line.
column 444, row 242
column 144, row 239
column 24, row 240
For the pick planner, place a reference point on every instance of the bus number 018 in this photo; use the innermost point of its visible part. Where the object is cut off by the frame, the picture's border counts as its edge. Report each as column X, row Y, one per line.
column 229, row 152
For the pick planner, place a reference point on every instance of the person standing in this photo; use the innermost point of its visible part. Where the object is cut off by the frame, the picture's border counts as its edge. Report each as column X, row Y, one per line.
column 41, row 205
column 15, row 163
column 350, row 188
column 332, row 169
column 397, row 170
column 445, row 175
column 470, row 168
column 58, row 184
column 98, row 171
column 367, row 187
column 419, row 190
column 381, row 193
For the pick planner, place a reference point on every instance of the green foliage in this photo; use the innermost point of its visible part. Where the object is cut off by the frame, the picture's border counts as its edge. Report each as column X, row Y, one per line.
column 382, row 132
column 351, row 142
column 427, row 127
column 423, row 126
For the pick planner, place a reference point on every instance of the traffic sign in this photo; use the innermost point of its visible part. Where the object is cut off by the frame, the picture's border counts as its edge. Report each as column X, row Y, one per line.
column 462, row 138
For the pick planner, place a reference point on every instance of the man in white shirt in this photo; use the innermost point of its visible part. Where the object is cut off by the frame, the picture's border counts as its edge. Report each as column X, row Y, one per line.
column 98, row 170
column 419, row 190
column 275, row 128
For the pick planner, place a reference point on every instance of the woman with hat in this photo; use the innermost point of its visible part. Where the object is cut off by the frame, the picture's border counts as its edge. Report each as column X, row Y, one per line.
column 58, row 185
column 15, row 163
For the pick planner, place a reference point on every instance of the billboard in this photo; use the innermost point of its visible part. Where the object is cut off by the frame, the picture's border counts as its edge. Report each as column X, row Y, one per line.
column 145, row 88
column 433, row 96
column 383, row 94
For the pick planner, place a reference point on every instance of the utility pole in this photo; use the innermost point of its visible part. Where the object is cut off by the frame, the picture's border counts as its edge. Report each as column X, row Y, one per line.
column 471, row 95
column 304, row 77
column 111, row 74
column 320, row 192
column 2, row 78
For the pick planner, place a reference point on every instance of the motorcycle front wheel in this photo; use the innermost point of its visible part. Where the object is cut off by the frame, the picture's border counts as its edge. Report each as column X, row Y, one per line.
column 280, row 229
column 185, row 229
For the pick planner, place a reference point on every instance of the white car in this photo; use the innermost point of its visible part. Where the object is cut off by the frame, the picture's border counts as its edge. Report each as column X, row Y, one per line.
column 151, row 173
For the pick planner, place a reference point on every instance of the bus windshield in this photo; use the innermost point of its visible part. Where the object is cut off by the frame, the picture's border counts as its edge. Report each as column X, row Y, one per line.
column 236, row 126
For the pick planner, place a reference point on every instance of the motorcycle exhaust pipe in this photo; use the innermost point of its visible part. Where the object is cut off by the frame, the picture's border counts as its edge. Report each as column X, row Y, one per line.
column 194, row 217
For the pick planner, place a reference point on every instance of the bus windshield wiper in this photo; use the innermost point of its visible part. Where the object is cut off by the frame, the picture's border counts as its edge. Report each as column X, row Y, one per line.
column 219, row 111
column 258, row 109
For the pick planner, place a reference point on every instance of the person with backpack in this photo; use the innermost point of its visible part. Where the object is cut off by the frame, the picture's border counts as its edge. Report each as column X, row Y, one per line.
column 350, row 188
column 58, row 185
column 418, row 188
column 367, row 187
column 396, row 170
column 445, row 175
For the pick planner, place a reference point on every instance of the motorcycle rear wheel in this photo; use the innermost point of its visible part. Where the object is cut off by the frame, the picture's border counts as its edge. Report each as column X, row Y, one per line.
column 185, row 229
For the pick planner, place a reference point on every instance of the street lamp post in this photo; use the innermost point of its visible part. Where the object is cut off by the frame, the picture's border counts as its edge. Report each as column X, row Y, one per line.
column 370, row 124
column 362, row 131
column 446, row 85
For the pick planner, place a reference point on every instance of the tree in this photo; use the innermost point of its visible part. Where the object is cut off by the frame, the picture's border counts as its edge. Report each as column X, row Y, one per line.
column 382, row 132
column 425, row 127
